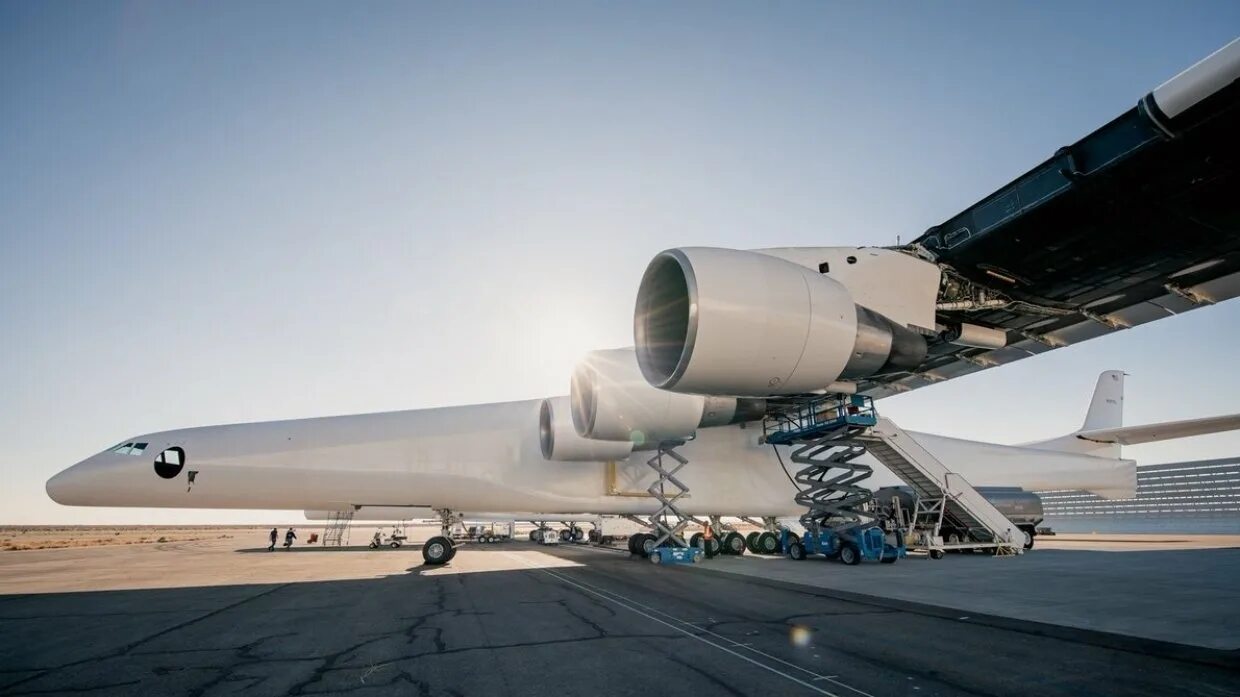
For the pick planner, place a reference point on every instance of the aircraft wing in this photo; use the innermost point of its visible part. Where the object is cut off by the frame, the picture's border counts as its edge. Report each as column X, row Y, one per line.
column 1149, row 433
column 1136, row 221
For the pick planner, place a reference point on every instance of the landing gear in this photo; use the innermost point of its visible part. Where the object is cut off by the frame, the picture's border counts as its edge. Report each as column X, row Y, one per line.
column 641, row 544
column 712, row 547
column 438, row 550
column 767, row 543
column 734, row 544
column 751, row 541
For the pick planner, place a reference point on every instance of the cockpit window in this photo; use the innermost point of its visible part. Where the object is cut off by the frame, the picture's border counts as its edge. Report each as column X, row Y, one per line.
column 129, row 448
column 168, row 464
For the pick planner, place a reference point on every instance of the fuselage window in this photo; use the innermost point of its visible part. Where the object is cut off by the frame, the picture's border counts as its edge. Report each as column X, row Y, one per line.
column 168, row 464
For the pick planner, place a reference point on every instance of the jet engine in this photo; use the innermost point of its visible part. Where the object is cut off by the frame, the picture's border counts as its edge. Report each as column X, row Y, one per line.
column 559, row 440
column 611, row 401
column 730, row 322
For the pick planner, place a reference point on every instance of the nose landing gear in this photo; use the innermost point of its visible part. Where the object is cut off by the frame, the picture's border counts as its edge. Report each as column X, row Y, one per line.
column 440, row 549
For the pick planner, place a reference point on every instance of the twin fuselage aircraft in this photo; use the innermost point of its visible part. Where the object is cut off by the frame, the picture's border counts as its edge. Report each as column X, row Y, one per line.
column 727, row 340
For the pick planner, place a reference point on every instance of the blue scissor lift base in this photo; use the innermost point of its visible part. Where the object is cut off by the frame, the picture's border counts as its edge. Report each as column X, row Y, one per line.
column 676, row 555
column 869, row 540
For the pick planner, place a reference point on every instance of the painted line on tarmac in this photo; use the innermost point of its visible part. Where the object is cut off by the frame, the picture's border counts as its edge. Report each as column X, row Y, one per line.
column 632, row 606
column 816, row 676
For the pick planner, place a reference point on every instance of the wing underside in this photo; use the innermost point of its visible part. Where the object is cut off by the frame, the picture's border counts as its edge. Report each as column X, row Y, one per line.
column 1137, row 221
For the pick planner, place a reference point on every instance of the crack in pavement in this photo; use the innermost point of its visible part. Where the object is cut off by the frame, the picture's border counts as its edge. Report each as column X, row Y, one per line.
column 128, row 648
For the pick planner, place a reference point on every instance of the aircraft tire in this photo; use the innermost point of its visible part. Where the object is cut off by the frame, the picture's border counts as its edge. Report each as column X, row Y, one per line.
column 647, row 544
column 849, row 554
column 713, row 548
column 696, row 540
column 565, row 535
column 438, row 550
column 734, row 544
column 751, row 541
column 767, row 543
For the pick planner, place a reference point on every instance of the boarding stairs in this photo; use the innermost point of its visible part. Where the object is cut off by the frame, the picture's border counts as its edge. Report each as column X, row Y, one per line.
column 830, row 432
column 931, row 481
column 336, row 531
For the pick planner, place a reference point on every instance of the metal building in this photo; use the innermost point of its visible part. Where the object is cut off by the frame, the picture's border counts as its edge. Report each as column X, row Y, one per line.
column 1202, row 496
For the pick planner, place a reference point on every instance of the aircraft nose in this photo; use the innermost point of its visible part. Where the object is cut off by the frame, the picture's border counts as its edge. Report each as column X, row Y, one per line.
column 71, row 486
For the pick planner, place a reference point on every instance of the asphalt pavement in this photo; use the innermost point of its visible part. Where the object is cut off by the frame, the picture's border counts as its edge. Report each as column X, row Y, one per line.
column 517, row 619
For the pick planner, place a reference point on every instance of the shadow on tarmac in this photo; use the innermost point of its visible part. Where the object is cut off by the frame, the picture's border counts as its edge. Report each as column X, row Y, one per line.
column 604, row 624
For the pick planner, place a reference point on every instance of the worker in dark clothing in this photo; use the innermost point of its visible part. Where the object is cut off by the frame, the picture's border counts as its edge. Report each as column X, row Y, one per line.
column 288, row 538
column 272, row 547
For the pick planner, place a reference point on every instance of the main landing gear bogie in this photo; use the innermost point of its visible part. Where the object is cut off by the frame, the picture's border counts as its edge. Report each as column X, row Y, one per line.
column 641, row 544
column 751, row 541
column 767, row 543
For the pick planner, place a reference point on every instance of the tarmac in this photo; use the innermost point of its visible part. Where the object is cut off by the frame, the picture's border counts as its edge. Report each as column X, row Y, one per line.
column 1161, row 590
column 217, row 617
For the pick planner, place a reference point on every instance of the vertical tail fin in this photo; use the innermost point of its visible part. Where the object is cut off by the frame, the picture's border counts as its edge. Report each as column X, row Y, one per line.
column 1106, row 410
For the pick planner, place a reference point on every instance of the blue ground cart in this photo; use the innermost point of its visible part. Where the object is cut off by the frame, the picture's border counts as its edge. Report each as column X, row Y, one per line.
column 851, row 545
column 676, row 555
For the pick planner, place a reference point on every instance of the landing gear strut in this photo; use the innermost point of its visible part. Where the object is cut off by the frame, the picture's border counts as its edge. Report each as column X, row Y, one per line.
column 440, row 549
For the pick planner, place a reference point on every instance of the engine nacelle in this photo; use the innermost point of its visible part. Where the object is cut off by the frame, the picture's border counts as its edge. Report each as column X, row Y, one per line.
column 611, row 401
column 730, row 322
column 559, row 439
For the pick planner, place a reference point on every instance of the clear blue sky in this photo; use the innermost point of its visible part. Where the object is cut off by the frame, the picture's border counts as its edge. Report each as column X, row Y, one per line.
column 221, row 211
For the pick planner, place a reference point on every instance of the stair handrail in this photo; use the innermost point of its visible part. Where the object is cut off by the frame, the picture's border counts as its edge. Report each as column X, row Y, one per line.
column 1011, row 526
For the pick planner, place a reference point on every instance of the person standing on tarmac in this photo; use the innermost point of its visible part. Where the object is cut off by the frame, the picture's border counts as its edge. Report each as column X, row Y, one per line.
column 288, row 538
column 272, row 547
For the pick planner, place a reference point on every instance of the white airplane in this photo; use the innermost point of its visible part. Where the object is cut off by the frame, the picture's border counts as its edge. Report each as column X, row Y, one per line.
column 1133, row 223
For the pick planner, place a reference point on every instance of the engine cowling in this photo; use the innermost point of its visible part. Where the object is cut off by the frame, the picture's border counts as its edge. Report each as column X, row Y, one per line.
column 729, row 322
column 560, row 441
column 612, row 401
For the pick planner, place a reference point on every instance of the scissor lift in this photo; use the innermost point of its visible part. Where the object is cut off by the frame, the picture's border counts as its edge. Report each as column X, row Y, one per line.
column 830, row 433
